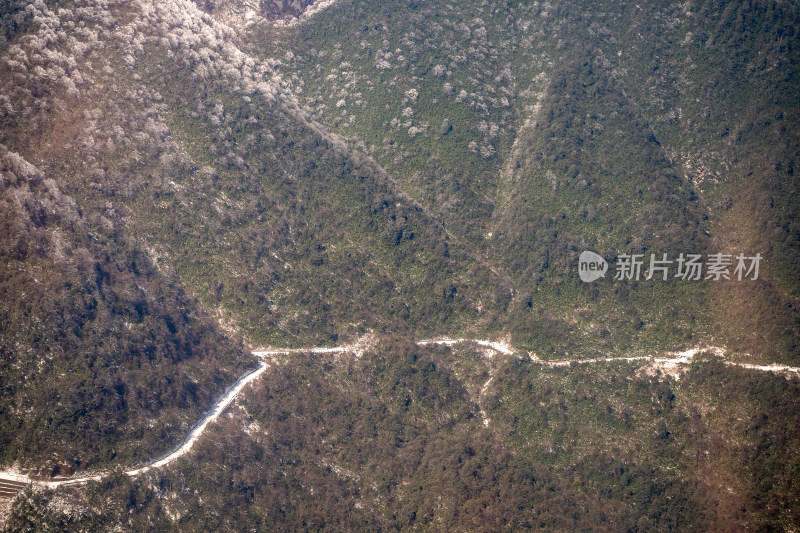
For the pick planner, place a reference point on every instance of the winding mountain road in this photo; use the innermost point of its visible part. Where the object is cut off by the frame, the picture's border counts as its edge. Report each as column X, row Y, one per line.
column 12, row 481
column 182, row 449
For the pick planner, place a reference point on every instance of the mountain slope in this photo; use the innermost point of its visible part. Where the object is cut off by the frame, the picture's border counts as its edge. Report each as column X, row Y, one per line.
column 203, row 194
column 182, row 182
column 627, row 137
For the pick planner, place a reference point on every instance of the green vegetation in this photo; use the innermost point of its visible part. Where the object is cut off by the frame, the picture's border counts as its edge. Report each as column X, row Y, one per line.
column 181, row 182
column 395, row 440
column 607, row 132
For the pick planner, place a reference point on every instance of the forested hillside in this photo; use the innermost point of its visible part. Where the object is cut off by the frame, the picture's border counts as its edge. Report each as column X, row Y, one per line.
column 538, row 130
column 404, row 438
column 182, row 182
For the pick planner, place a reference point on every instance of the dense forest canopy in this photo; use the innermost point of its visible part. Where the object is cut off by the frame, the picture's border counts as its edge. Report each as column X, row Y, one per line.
column 183, row 182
